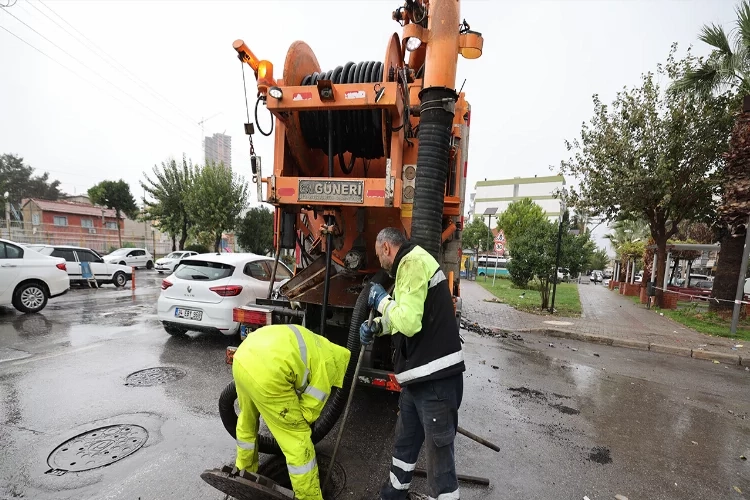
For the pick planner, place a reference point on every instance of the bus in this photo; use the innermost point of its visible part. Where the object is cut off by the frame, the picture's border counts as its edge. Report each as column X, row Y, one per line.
column 488, row 265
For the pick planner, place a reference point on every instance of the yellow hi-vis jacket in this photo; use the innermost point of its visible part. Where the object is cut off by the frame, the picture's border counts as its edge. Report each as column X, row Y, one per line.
column 286, row 358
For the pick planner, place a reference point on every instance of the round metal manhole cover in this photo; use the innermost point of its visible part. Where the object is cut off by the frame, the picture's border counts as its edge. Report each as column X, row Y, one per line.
column 154, row 376
column 98, row 448
column 276, row 470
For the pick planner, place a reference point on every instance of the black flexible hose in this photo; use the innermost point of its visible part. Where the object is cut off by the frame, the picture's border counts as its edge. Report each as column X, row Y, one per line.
column 357, row 132
column 257, row 123
column 433, row 155
column 335, row 404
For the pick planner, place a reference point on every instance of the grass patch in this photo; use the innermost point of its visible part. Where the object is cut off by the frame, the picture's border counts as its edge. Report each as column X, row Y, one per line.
column 703, row 321
column 567, row 301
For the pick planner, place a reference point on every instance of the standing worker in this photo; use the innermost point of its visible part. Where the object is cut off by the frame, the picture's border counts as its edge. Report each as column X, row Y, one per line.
column 429, row 364
column 285, row 374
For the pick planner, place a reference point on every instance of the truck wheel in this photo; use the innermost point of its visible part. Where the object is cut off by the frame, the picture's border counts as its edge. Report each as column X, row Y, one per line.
column 30, row 297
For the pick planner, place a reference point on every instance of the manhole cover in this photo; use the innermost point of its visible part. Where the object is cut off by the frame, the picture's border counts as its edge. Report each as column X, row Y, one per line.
column 97, row 448
column 154, row 376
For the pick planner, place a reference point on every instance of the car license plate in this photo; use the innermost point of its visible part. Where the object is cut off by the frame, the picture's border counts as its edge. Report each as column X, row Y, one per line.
column 188, row 313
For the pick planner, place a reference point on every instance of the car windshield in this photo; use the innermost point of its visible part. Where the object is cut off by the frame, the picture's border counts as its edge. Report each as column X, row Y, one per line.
column 120, row 251
column 198, row 270
column 174, row 255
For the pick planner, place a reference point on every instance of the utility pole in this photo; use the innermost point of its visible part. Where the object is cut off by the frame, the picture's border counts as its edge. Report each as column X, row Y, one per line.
column 563, row 212
column 7, row 212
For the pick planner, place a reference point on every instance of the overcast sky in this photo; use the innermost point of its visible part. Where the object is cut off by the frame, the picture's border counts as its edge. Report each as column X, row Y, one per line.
column 169, row 63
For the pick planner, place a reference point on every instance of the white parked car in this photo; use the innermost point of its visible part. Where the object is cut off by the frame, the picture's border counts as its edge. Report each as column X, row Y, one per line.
column 205, row 288
column 28, row 279
column 104, row 272
column 170, row 262
column 134, row 257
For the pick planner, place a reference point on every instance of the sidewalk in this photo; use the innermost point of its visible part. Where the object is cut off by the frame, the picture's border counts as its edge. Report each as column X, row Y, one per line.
column 608, row 318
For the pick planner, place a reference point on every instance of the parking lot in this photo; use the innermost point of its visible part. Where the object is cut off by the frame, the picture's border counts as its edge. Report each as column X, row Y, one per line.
column 571, row 420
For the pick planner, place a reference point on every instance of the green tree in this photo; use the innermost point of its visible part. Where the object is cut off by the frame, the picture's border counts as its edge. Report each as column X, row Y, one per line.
column 477, row 235
column 255, row 231
column 652, row 155
column 518, row 217
column 598, row 259
column 216, row 199
column 117, row 196
column 19, row 181
column 728, row 67
column 534, row 256
column 169, row 188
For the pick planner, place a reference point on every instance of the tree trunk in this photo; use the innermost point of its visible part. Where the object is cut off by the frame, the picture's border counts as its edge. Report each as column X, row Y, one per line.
column 661, row 268
column 217, row 242
column 119, row 234
column 544, row 292
column 727, row 272
column 174, row 242
column 183, row 236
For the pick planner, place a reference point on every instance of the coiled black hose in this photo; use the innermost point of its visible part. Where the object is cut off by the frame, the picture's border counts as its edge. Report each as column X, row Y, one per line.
column 436, row 120
column 357, row 132
column 335, row 404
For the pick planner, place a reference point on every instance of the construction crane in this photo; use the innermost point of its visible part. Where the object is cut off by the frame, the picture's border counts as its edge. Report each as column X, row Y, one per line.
column 358, row 148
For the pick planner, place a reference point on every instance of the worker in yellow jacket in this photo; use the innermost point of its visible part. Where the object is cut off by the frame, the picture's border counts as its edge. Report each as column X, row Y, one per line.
column 285, row 373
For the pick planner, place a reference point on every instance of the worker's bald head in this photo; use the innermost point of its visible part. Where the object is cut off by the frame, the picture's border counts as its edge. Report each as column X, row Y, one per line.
column 387, row 244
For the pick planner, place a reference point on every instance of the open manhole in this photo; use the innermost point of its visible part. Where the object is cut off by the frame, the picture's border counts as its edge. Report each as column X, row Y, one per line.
column 97, row 448
column 154, row 376
column 275, row 469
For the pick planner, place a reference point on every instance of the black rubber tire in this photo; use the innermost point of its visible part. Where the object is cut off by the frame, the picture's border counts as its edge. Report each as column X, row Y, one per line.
column 149, row 265
column 119, row 279
column 175, row 331
column 32, row 290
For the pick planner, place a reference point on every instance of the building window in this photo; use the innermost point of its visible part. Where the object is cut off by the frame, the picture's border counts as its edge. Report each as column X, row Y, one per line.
column 110, row 225
column 87, row 223
column 35, row 219
column 60, row 220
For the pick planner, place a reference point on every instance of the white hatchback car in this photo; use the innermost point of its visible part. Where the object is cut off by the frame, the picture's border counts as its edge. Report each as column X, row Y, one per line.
column 104, row 272
column 205, row 289
column 28, row 279
column 134, row 257
column 169, row 262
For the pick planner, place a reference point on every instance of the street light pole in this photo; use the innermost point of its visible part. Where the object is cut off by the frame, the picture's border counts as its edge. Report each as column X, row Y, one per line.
column 563, row 212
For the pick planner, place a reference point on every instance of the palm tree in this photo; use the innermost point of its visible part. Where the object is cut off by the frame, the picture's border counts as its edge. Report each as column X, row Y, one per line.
column 727, row 68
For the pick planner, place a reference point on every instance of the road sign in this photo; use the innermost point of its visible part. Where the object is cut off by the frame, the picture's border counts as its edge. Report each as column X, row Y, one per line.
column 499, row 247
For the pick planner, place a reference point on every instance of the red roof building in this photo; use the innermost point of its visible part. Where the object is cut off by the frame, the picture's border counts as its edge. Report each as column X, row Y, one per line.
column 67, row 222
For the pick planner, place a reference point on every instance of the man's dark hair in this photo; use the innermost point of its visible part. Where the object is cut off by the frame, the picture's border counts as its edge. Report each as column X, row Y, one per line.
column 392, row 235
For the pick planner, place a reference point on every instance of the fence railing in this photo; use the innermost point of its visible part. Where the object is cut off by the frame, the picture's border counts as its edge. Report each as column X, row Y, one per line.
column 98, row 239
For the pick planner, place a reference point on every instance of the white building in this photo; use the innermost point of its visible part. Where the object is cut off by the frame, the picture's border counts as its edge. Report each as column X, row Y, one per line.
column 219, row 149
column 502, row 192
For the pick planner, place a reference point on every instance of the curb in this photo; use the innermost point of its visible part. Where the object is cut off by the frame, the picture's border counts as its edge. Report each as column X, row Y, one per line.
column 719, row 357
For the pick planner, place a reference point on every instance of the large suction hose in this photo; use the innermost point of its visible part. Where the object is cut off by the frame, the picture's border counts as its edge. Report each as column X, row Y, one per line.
column 335, row 404
column 436, row 119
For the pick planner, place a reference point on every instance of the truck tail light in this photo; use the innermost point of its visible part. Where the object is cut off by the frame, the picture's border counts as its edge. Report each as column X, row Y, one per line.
column 62, row 267
column 251, row 317
column 227, row 290
column 165, row 284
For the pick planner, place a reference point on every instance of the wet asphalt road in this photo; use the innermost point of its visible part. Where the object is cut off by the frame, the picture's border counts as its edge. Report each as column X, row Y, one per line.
column 572, row 420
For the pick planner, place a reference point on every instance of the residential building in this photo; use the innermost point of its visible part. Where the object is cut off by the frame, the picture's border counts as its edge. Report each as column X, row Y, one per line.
column 67, row 222
column 499, row 193
column 218, row 149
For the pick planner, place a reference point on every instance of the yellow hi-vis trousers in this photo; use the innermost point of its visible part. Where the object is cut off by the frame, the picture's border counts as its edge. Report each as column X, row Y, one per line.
column 282, row 414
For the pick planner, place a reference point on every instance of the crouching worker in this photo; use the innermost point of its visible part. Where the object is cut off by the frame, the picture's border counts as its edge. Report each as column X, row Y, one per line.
column 285, row 374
